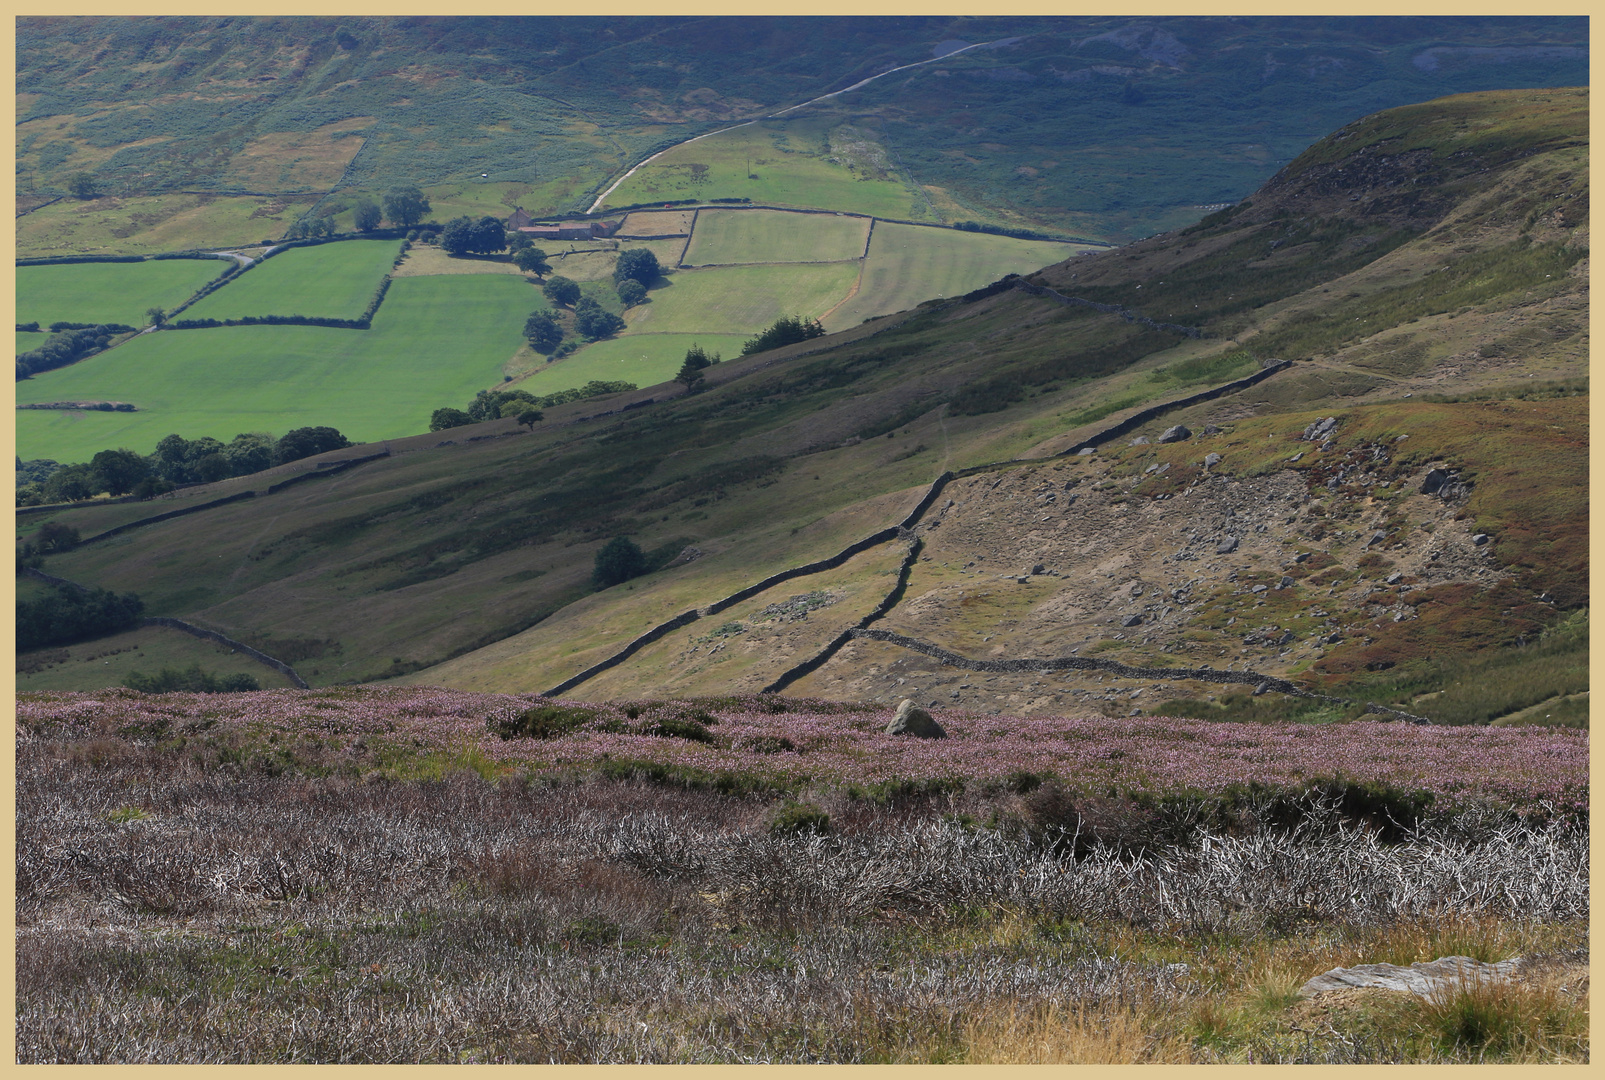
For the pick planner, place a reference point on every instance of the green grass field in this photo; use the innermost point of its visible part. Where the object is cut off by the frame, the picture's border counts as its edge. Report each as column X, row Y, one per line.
column 644, row 359
column 436, row 341
column 30, row 342
column 767, row 236
column 146, row 224
column 740, row 299
column 792, row 168
column 330, row 280
column 108, row 292
column 909, row 264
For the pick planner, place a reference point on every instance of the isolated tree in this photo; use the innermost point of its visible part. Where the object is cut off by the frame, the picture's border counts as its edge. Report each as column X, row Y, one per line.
column 81, row 185
column 56, row 536
column 531, row 260
column 366, row 215
column 442, row 419
column 595, row 321
column 631, row 292
column 696, row 358
column 304, row 442
column 637, row 264
column 787, row 330
column 543, row 331
column 405, row 206
column 619, row 560
column 530, row 417
column 156, row 316
column 560, row 290
column 117, row 471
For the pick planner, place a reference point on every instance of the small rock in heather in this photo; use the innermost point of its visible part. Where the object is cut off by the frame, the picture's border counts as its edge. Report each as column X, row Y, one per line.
column 913, row 720
column 1433, row 481
column 1131, row 620
column 1211, row 429
column 1319, row 429
column 1480, row 539
column 1140, row 440
column 1424, row 979
column 1211, row 460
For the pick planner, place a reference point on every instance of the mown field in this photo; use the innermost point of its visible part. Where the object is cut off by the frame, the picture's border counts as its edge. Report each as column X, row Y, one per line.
column 334, row 281
column 723, row 237
column 644, row 359
column 908, row 264
column 785, row 163
column 741, row 299
column 435, row 341
column 146, row 224
column 108, row 292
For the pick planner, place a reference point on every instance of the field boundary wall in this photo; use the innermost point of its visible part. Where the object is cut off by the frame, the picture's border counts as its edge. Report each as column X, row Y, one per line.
column 932, row 492
column 187, row 628
column 330, row 468
column 1261, row 683
column 237, row 497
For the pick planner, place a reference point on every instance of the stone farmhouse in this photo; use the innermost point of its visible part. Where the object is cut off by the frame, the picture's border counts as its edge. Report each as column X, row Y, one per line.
column 564, row 230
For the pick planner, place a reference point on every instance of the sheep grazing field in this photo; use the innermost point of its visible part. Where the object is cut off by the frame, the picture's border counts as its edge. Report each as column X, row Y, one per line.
column 416, row 874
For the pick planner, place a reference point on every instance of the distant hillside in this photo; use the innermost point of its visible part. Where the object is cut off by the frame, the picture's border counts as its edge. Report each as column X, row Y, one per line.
column 1101, row 126
column 1424, row 270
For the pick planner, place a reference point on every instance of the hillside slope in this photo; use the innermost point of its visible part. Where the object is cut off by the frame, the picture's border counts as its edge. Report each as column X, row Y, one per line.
column 1425, row 270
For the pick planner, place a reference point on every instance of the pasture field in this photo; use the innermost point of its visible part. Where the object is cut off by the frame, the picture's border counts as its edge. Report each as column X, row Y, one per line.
column 723, row 237
column 792, row 163
column 478, row 198
column 436, row 341
column 108, row 292
column 655, row 222
column 146, row 224
column 333, row 281
column 426, row 261
column 644, row 359
column 107, row 661
column 586, row 260
column 741, row 299
column 909, row 264
column 28, row 342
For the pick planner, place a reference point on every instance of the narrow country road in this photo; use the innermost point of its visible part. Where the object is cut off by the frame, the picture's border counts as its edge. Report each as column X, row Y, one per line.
column 770, row 116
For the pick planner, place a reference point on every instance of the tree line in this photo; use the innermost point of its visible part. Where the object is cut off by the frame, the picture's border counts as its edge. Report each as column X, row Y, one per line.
column 496, row 404
column 176, row 460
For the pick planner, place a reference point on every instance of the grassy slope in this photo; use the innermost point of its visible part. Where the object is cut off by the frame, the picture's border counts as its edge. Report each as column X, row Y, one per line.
column 253, row 378
column 762, row 236
column 146, row 224
column 330, row 281
column 740, row 299
column 908, row 264
column 107, row 661
column 789, row 167
column 644, row 359
column 108, row 292
column 419, row 557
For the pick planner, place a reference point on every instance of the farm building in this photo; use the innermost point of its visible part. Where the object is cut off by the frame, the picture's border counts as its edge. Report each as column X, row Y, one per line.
column 519, row 219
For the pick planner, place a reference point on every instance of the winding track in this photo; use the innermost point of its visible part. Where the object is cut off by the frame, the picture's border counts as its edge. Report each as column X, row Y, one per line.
column 771, row 116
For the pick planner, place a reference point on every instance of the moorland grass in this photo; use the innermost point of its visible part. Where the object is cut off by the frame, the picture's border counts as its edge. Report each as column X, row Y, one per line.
column 776, row 162
column 765, row 236
column 909, row 264
column 644, row 359
column 107, row 661
column 333, row 281
column 741, row 299
column 435, row 341
column 146, row 224
column 108, row 292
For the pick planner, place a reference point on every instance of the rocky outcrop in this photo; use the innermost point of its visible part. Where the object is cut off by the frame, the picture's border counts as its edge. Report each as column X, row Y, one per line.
column 1424, row 979
column 913, row 720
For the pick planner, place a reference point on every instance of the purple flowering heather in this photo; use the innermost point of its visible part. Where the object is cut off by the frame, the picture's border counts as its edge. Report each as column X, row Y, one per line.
column 837, row 743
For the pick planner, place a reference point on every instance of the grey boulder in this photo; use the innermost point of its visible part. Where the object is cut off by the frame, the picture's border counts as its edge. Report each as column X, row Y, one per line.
column 1176, row 434
column 913, row 720
column 1423, row 978
column 1226, row 546
column 1211, row 460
